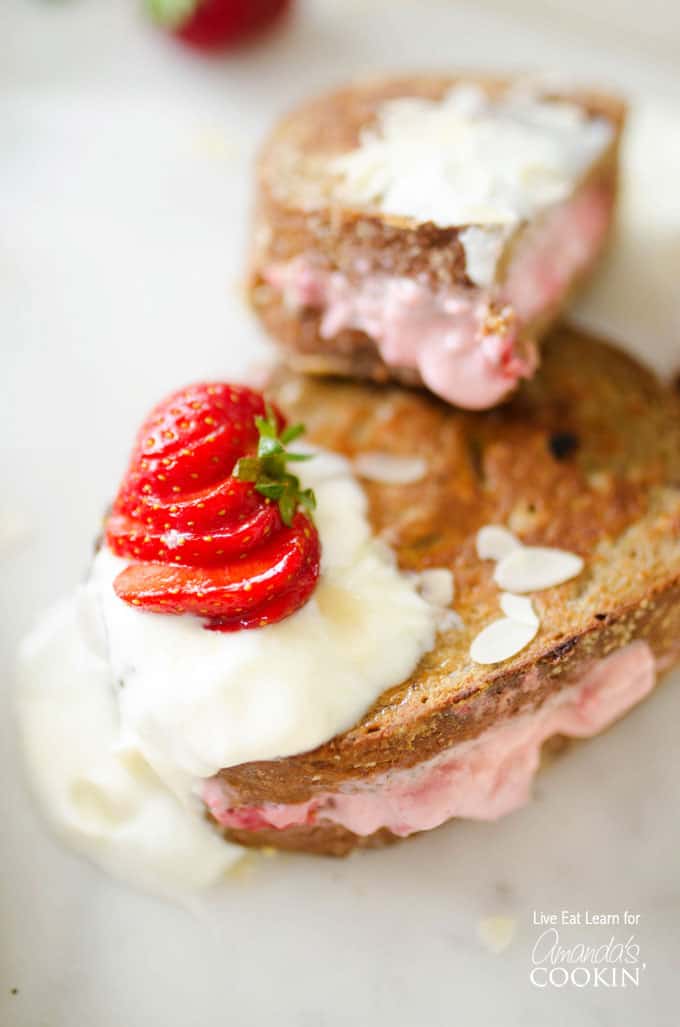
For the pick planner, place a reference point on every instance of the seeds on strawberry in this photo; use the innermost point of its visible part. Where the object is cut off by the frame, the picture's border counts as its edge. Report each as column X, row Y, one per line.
column 229, row 590
column 182, row 545
column 206, row 541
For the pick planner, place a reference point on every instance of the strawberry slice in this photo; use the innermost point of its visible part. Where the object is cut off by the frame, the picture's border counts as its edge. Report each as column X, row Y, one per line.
column 226, row 503
column 278, row 607
column 232, row 590
column 195, row 438
column 125, row 537
column 195, row 411
column 194, row 466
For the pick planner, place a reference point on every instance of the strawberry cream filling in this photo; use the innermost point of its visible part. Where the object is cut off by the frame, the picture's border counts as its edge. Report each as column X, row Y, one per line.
column 463, row 341
column 482, row 779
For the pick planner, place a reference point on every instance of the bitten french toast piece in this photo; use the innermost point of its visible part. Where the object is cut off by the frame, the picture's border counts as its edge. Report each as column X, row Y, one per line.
column 585, row 458
column 429, row 229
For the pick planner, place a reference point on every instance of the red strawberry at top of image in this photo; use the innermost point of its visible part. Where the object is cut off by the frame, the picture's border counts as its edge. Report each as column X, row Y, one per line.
column 214, row 24
column 208, row 511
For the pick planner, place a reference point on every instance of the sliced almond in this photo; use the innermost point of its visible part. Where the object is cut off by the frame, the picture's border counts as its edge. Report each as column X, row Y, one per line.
column 389, row 469
column 494, row 542
column 436, row 586
column 532, row 568
column 501, row 639
column 518, row 608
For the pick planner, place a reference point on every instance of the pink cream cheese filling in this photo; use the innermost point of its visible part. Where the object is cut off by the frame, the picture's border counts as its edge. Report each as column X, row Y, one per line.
column 482, row 779
column 452, row 336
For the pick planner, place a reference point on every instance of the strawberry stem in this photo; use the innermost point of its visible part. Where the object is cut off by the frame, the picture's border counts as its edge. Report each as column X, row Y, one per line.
column 268, row 469
column 171, row 13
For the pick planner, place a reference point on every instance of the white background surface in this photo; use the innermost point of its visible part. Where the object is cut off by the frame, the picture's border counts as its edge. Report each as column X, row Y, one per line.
column 123, row 198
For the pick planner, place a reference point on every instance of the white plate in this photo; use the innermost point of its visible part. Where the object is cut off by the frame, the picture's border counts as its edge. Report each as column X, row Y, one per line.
column 123, row 188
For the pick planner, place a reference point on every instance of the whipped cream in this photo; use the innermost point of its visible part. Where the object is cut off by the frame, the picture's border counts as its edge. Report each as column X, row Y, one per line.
column 472, row 159
column 97, row 788
column 125, row 712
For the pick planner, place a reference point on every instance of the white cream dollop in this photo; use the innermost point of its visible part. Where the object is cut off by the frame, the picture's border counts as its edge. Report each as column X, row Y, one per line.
column 100, row 794
column 124, row 712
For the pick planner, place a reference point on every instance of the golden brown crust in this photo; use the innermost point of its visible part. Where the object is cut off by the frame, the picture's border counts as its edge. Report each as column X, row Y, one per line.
column 587, row 457
column 296, row 214
column 320, row 839
column 328, row 839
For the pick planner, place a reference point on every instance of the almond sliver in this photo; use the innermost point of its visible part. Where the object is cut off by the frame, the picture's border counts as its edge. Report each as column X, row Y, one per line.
column 501, row 639
column 389, row 469
column 494, row 542
column 533, row 568
column 518, row 608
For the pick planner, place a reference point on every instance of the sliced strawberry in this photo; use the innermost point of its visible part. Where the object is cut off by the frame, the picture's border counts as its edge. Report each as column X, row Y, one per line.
column 281, row 605
column 125, row 537
column 193, row 467
column 230, row 590
column 207, row 511
column 198, row 410
column 195, row 438
column 227, row 503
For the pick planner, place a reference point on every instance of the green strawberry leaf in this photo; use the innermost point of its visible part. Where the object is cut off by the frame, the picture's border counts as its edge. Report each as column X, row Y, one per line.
column 268, row 446
column 291, row 433
column 248, row 468
column 268, row 469
column 299, row 456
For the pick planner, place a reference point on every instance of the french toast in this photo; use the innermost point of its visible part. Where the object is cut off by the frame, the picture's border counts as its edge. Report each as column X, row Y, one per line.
column 587, row 457
column 429, row 229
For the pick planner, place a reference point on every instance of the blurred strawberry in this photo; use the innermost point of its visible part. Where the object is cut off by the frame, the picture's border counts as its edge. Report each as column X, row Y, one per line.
column 213, row 24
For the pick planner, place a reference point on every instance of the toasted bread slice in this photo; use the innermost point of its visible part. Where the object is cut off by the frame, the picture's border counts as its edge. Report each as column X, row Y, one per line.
column 587, row 458
column 450, row 283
